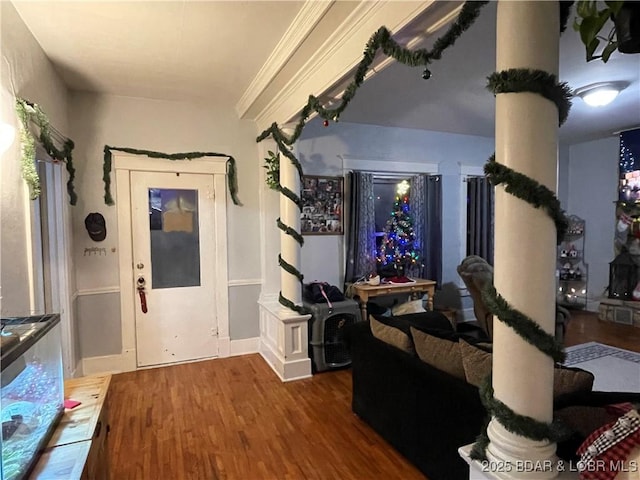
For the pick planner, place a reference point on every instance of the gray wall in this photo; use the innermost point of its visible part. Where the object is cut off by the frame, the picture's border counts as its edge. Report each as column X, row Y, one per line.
column 165, row 126
column 242, row 311
column 99, row 336
column 593, row 190
column 33, row 77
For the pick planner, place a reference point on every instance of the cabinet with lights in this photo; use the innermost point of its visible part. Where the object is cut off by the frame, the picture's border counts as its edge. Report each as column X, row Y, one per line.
column 572, row 271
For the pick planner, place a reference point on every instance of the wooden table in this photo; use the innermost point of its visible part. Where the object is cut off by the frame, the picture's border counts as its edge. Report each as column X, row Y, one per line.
column 364, row 291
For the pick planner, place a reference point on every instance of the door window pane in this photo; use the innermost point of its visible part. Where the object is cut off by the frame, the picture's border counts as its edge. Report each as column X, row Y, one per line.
column 175, row 239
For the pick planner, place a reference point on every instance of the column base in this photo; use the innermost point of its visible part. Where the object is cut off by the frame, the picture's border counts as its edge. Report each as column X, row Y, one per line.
column 284, row 341
column 484, row 470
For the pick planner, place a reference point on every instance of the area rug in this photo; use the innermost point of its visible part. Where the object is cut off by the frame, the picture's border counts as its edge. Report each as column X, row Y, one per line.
column 615, row 369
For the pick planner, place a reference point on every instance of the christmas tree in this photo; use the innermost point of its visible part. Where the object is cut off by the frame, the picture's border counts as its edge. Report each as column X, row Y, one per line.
column 398, row 243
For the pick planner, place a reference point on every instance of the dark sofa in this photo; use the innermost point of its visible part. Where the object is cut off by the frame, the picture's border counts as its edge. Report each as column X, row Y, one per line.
column 424, row 413
column 427, row 414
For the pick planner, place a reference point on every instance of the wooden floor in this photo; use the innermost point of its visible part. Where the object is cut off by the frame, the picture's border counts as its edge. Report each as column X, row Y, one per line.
column 585, row 327
column 233, row 419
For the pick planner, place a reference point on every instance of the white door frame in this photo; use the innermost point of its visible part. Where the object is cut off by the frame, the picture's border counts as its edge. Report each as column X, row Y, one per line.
column 123, row 164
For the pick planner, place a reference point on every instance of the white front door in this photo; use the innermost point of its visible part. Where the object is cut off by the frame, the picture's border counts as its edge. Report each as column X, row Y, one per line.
column 173, row 257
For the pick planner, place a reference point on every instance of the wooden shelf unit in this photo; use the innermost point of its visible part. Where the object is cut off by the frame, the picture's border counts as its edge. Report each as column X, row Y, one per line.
column 78, row 449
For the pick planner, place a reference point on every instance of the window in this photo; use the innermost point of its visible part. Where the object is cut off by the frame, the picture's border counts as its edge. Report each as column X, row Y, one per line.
column 384, row 192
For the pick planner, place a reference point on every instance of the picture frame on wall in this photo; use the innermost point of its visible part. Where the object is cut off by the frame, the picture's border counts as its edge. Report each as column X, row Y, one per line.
column 322, row 205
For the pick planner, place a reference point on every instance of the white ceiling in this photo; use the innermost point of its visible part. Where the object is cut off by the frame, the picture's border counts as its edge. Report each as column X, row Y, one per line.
column 212, row 50
column 455, row 99
column 176, row 50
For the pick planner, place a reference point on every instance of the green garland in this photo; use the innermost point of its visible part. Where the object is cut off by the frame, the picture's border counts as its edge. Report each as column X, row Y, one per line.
column 287, row 229
column 272, row 166
column 522, row 325
column 529, row 190
column 534, row 81
column 379, row 40
column 522, row 425
column 28, row 153
column 539, row 196
column 290, row 231
column 232, row 179
column 32, row 113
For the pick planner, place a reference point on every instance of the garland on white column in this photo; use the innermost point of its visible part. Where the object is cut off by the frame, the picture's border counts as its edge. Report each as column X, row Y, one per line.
column 380, row 40
column 517, row 184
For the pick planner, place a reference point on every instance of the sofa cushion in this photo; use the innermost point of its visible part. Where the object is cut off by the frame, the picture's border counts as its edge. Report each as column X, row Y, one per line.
column 391, row 335
column 477, row 365
column 399, row 334
column 569, row 380
column 439, row 353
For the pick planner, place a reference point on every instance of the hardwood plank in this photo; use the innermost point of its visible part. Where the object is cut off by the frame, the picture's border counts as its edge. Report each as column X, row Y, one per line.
column 232, row 418
column 585, row 327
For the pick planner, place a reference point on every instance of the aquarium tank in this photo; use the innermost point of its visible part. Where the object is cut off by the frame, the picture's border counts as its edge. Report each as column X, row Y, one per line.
column 32, row 390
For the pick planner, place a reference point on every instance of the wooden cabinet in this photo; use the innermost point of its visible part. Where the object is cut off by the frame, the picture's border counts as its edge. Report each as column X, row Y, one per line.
column 78, row 448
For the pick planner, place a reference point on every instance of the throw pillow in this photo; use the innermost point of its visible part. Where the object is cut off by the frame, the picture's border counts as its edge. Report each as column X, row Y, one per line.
column 413, row 306
column 439, row 353
column 476, row 363
column 391, row 335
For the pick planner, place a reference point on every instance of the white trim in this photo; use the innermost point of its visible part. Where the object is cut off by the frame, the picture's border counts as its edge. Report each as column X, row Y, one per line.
column 244, row 346
column 104, row 364
column 123, row 164
column 302, row 25
column 387, row 165
column 322, row 56
column 64, row 267
column 125, row 262
column 471, row 171
column 119, row 363
column 245, row 282
column 204, row 165
column 97, row 291
column 268, row 298
column 339, row 55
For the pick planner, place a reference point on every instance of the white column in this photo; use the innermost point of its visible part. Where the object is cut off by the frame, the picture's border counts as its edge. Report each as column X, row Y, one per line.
column 290, row 215
column 284, row 341
column 525, row 237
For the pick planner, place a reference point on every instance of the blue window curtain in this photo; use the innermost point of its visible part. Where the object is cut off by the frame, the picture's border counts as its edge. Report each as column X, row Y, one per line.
column 480, row 205
column 361, row 242
column 425, row 200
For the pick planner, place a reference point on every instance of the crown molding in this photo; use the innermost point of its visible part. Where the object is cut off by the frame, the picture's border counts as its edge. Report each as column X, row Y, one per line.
column 304, row 22
column 327, row 70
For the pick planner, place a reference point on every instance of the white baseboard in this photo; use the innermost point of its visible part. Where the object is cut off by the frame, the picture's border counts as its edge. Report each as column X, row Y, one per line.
column 244, row 346
column 286, row 371
column 103, row 364
column 119, row 363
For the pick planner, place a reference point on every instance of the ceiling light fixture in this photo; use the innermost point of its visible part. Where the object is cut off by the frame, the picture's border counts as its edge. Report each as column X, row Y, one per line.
column 600, row 94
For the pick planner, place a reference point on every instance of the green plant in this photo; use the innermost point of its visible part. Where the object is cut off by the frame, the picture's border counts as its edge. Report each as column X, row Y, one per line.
column 590, row 21
column 273, row 169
